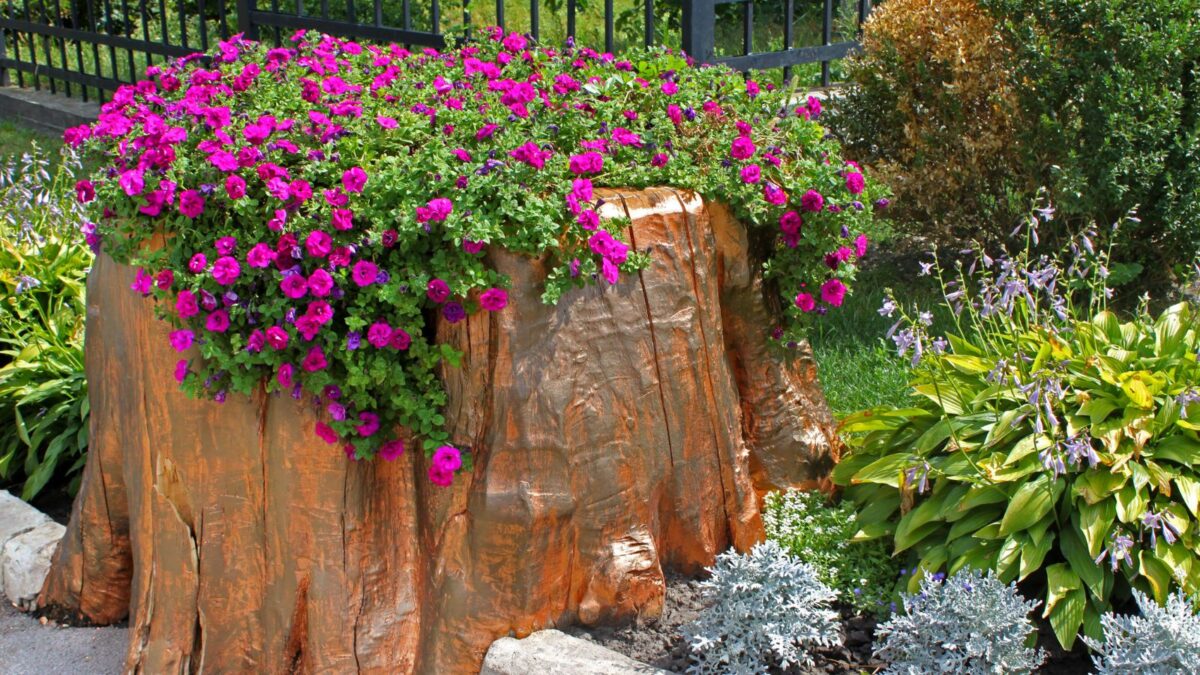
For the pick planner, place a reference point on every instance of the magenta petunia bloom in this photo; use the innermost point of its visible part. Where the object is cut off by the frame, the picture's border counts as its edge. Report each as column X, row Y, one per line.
column 774, row 194
column 790, row 223
column 742, row 148
column 436, row 211
column 493, row 299
column 379, row 335
column 855, row 183
column 132, row 183
column 391, row 450
column 217, row 322
column 181, row 370
column 354, row 179
column 400, row 339
column 164, row 279
column 320, row 283
column 806, row 302
column 318, row 244
column 308, row 327
column 325, row 433
column 369, row 424
column 751, row 173
column 386, row 122
column 186, row 305
column 256, row 341
column 447, row 458
column 235, row 186
column 191, row 204
column 659, row 159
column 860, row 245
column 314, row 360
column 277, row 338
column 453, row 312
column 226, row 270
column 364, row 273
column 142, row 282
column 437, row 290
column 84, row 191
column 833, row 292
column 260, row 256
column 321, row 311
column 285, row 376
column 181, row 340
column 588, row 162
column 440, row 478
column 812, row 201
column 342, row 219
column 198, row 263
column 294, row 286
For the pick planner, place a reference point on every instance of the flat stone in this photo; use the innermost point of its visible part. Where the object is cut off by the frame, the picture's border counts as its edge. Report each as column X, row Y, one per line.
column 16, row 517
column 552, row 652
column 25, row 561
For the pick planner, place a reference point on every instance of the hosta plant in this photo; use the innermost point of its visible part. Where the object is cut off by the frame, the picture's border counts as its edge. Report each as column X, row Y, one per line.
column 303, row 215
column 971, row 623
column 765, row 609
column 43, row 264
column 1048, row 439
column 1158, row 641
column 816, row 532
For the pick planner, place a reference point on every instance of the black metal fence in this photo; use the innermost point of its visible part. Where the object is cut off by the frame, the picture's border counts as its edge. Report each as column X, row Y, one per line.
column 87, row 48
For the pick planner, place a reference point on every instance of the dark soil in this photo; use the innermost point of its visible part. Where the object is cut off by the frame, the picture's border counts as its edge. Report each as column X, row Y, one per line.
column 660, row 642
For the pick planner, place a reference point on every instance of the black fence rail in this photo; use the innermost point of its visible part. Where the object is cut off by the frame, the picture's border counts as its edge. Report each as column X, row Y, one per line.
column 87, row 48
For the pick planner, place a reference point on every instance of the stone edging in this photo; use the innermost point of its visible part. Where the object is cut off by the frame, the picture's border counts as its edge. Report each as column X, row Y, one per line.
column 552, row 652
column 28, row 538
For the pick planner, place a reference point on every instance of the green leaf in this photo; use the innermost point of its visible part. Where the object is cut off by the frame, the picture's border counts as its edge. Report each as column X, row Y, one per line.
column 885, row 471
column 1031, row 502
column 1073, row 548
column 1095, row 521
column 1131, row 504
column 1157, row 573
column 1060, row 580
column 1189, row 491
column 1067, row 617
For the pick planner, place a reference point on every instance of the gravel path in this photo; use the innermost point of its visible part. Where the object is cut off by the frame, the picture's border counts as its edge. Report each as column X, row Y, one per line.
column 28, row 648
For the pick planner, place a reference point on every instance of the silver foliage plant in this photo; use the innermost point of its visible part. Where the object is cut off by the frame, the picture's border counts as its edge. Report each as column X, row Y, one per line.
column 1158, row 641
column 765, row 609
column 970, row 624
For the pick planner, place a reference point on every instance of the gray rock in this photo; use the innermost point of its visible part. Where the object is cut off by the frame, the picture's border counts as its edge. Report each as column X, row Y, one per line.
column 550, row 652
column 16, row 517
column 25, row 562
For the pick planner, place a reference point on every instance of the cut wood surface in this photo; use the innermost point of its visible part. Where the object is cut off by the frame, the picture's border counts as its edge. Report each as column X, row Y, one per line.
column 625, row 431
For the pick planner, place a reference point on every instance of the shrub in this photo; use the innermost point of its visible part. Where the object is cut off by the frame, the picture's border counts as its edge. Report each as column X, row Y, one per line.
column 970, row 623
column 323, row 203
column 1162, row 641
column 820, row 534
column 1110, row 98
column 765, row 608
column 929, row 105
column 43, row 265
column 1050, row 441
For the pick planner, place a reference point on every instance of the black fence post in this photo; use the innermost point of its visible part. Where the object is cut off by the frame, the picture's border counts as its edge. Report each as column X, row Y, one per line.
column 4, row 57
column 699, row 26
column 245, row 21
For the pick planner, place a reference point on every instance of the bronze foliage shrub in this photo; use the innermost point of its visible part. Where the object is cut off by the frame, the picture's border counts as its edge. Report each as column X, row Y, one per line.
column 929, row 104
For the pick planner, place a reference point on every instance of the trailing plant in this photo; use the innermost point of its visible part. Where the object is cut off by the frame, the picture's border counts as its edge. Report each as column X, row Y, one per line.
column 43, row 265
column 1048, row 440
column 317, row 208
column 971, row 623
column 928, row 105
column 765, row 609
column 1159, row 641
column 816, row 532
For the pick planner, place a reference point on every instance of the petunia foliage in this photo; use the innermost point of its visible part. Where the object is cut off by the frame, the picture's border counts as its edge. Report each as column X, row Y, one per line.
column 305, row 215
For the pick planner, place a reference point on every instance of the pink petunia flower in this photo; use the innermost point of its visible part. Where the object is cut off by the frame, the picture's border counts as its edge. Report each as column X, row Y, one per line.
column 226, row 270
column 437, row 290
column 364, row 273
column 186, row 305
column 217, row 322
column 833, row 292
column 391, row 450
column 369, row 424
column 181, row 340
column 191, row 204
column 277, row 338
column 806, row 302
column 354, row 179
column 314, row 360
column 493, row 299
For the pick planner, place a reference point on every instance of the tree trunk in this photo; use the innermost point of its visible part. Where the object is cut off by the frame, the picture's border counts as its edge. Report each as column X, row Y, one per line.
column 625, row 431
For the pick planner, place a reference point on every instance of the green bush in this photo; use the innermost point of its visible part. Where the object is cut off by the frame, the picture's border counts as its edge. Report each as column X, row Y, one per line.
column 807, row 526
column 43, row 265
column 1050, row 442
column 1110, row 99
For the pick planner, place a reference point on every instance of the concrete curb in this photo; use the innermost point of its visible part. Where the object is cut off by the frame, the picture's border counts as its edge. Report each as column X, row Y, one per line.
column 28, row 538
column 50, row 113
column 551, row 652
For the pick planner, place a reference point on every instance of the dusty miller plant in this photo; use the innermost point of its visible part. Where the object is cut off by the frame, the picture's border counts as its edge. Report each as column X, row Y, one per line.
column 969, row 623
column 1159, row 641
column 765, row 608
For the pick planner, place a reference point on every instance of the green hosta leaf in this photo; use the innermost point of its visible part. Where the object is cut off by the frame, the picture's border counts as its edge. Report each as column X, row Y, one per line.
column 1033, row 553
column 1067, row 617
column 916, row 524
column 1097, row 485
column 1157, row 573
column 1131, row 504
column 971, row 365
column 877, row 419
column 1189, row 491
column 886, row 471
column 1007, row 561
column 943, row 395
column 1060, row 580
column 1082, row 563
column 1095, row 521
column 973, row 521
column 1179, row 448
column 1031, row 502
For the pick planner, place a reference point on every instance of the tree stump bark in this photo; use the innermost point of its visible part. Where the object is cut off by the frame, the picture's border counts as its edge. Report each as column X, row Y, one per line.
column 625, row 431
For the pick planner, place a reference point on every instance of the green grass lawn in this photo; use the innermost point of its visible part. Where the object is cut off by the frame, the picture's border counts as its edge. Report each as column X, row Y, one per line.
column 16, row 140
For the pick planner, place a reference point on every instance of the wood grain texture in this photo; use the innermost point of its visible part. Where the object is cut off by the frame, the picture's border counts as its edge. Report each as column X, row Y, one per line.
column 625, row 431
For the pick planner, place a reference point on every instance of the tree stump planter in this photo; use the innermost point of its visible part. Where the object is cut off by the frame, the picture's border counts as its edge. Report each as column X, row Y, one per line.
column 626, row 430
